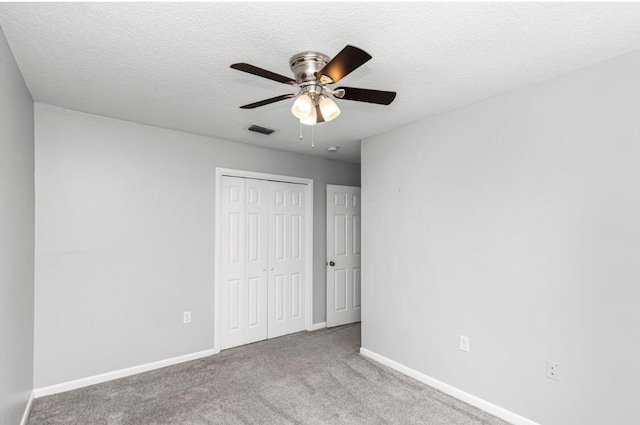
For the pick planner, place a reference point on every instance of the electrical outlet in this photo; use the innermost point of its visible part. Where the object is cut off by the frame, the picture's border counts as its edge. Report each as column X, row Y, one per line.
column 465, row 344
column 553, row 370
column 186, row 317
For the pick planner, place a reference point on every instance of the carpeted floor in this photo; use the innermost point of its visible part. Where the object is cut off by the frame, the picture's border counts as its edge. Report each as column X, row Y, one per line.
column 306, row 378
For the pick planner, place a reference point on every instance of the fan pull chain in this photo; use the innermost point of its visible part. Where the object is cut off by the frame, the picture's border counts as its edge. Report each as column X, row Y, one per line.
column 312, row 137
column 300, row 131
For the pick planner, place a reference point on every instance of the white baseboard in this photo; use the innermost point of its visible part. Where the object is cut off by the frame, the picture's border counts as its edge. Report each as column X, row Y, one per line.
column 491, row 408
column 27, row 409
column 317, row 326
column 117, row 374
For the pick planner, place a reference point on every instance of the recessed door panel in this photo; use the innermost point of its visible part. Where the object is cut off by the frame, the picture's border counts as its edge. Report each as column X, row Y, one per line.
column 280, row 196
column 280, row 224
column 341, row 234
column 254, row 231
column 340, row 284
column 296, row 199
column 234, row 304
column 356, row 234
column 280, row 298
column 253, row 304
column 254, row 195
column 296, row 237
column 235, row 194
column 235, row 237
column 296, row 295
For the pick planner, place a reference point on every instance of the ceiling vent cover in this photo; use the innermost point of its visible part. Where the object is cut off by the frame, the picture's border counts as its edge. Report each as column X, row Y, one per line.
column 261, row 130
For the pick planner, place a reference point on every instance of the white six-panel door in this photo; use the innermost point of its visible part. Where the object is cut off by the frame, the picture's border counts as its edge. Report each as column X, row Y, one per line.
column 287, row 210
column 343, row 255
column 262, row 293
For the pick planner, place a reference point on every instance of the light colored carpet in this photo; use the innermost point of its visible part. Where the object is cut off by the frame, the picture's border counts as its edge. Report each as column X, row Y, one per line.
column 306, row 378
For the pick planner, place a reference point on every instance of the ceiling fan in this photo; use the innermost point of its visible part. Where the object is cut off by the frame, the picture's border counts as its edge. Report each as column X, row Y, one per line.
column 313, row 71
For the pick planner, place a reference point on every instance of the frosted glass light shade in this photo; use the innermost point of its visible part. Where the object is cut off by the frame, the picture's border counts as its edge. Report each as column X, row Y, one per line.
column 311, row 119
column 302, row 107
column 329, row 109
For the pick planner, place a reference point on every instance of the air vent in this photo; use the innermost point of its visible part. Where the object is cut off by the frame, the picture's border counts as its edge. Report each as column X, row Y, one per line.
column 261, row 130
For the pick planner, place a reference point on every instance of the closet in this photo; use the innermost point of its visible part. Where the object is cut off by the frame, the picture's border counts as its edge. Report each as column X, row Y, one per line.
column 263, row 260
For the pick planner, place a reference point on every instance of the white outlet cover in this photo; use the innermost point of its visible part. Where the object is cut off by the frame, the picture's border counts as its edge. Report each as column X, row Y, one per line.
column 465, row 344
column 186, row 317
column 553, row 370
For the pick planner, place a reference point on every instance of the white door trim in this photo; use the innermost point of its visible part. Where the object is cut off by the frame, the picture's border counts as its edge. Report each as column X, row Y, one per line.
column 218, row 243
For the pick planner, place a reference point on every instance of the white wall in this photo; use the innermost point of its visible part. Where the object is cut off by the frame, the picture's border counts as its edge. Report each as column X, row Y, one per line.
column 16, row 239
column 125, row 238
column 515, row 221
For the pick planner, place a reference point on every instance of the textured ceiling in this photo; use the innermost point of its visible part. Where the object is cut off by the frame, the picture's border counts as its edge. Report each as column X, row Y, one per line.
column 167, row 64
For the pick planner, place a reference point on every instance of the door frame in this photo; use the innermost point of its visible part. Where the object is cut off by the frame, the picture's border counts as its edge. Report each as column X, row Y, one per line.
column 218, row 243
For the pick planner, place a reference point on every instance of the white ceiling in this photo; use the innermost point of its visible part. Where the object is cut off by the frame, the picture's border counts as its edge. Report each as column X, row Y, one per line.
column 167, row 64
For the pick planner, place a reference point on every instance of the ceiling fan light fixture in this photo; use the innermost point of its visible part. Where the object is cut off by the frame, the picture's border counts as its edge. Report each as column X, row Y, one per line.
column 302, row 107
column 311, row 118
column 313, row 71
column 328, row 108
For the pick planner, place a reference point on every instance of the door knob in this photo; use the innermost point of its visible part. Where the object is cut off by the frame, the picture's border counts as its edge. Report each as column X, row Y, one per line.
column 331, row 263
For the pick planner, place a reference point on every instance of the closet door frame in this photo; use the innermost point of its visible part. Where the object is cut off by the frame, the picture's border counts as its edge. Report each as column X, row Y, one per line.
column 218, row 241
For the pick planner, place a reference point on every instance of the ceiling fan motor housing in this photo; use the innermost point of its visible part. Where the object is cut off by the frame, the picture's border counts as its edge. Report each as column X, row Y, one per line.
column 305, row 65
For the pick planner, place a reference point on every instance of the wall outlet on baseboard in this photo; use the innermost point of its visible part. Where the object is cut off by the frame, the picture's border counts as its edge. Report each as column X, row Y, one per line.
column 465, row 344
column 553, row 370
column 186, row 317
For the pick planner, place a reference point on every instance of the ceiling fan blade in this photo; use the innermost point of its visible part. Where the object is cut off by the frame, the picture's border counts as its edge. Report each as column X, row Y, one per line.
column 268, row 101
column 366, row 95
column 245, row 67
column 349, row 59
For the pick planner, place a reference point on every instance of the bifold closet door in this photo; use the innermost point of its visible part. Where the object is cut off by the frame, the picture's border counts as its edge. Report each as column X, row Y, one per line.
column 287, row 241
column 244, row 261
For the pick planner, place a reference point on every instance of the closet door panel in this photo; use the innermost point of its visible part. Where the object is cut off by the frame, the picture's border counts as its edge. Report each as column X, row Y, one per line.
column 287, row 209
column 256, row 259
column 297, row 258
column 279, row 231
column 233, row 289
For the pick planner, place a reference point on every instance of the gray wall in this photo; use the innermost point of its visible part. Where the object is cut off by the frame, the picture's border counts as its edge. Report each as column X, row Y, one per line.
column 125, row 238
column 16, row 239
column 514, row 221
